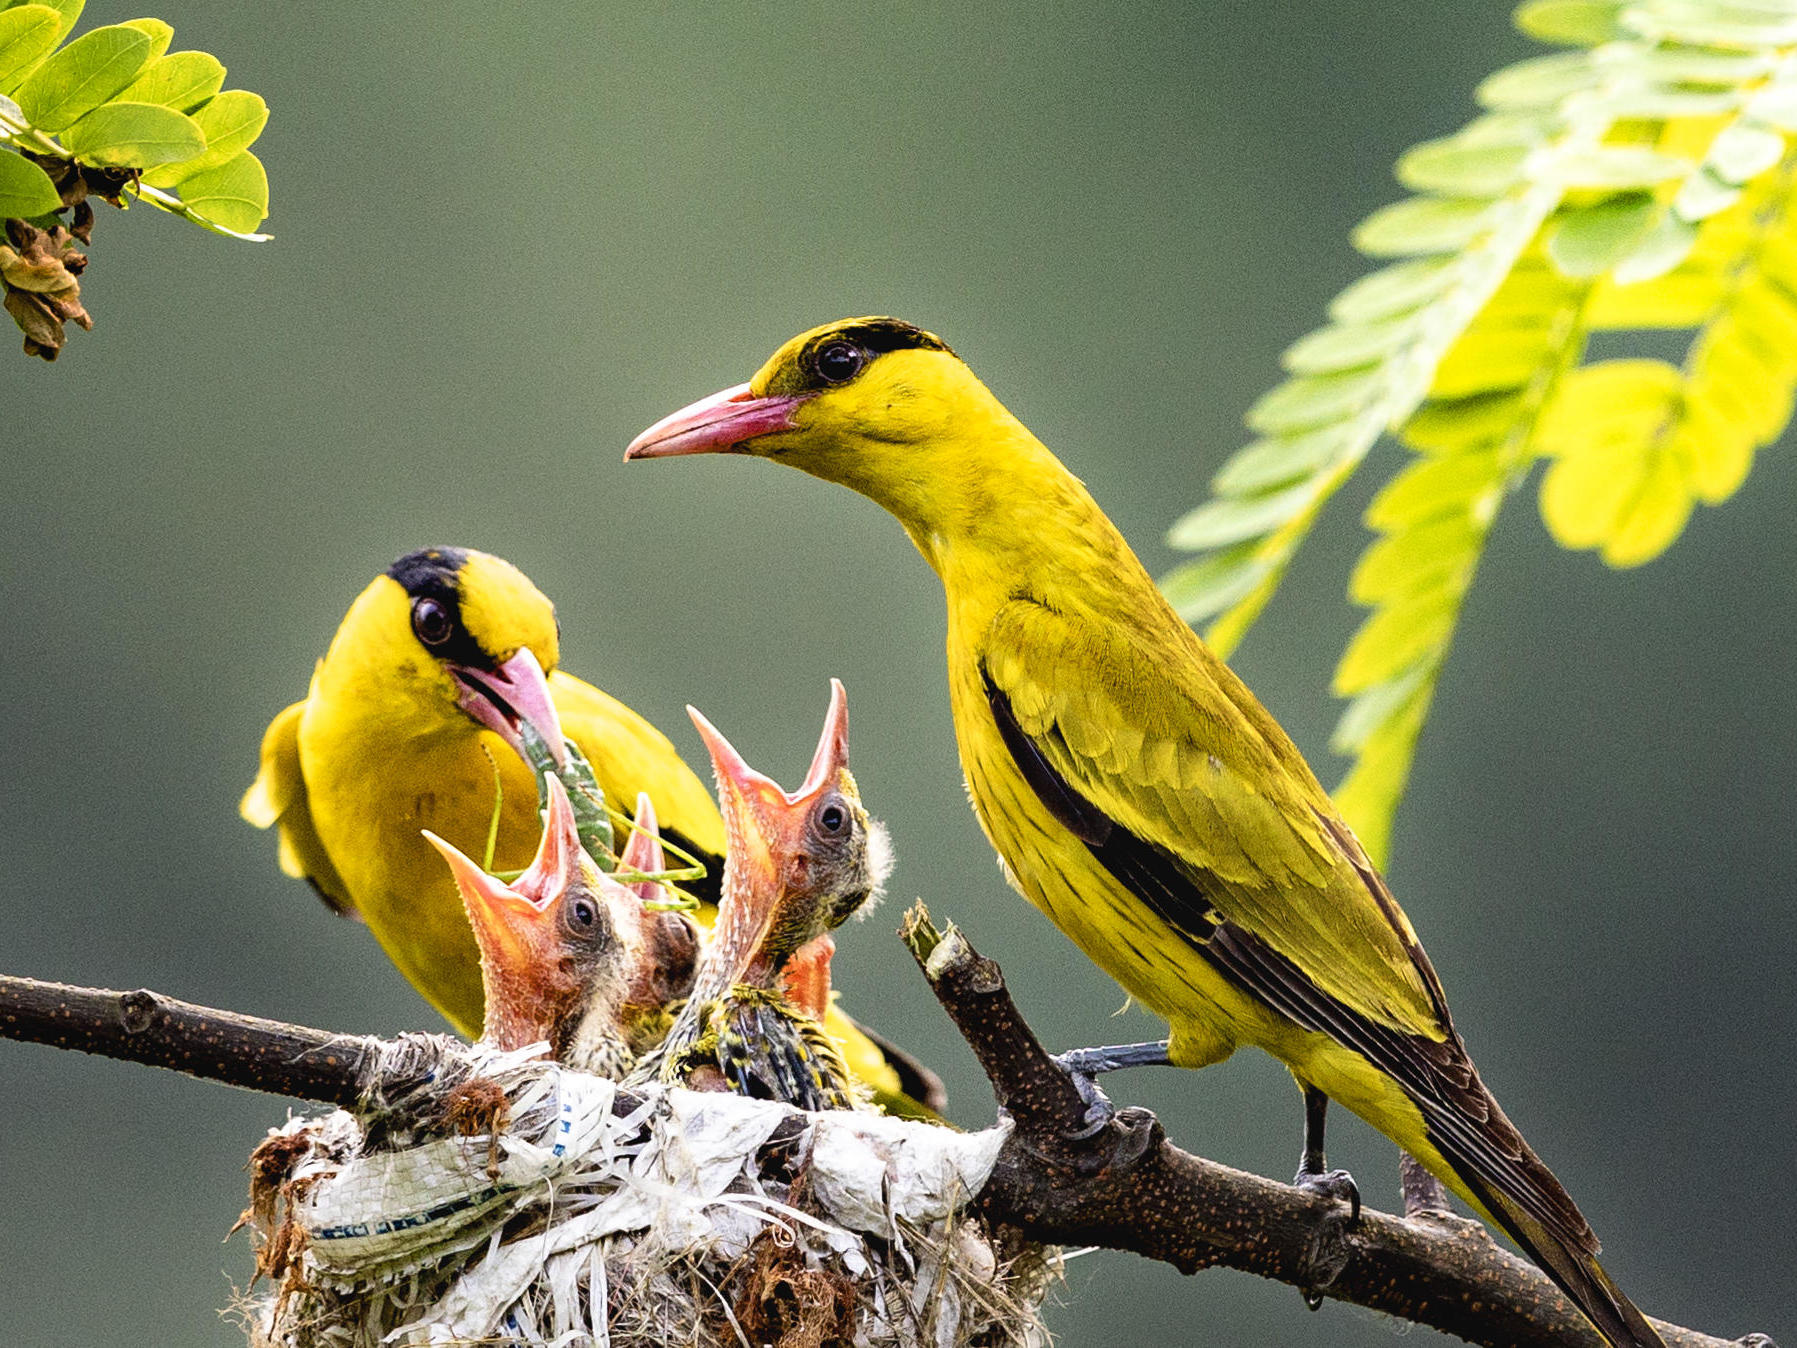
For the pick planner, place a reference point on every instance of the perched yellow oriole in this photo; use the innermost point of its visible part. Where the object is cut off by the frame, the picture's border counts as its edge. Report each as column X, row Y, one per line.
column 1135, row 789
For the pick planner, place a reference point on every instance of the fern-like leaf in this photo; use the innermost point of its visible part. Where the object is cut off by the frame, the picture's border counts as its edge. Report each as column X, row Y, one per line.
column 1641, row 181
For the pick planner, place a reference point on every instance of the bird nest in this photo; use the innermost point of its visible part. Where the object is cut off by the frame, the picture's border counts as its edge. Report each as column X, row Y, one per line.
column 534, row 1205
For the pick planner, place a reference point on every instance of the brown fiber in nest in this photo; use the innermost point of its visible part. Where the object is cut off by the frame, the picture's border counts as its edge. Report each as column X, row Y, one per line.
column 781, row 1301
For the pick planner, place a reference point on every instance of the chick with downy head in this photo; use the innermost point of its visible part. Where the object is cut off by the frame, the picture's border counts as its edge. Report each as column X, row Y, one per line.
column 798, row 864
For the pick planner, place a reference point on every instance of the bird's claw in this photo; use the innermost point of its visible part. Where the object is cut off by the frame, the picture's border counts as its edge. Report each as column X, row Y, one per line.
column 1099, row 1109
column 1091, row 1062
column 1332, row 1184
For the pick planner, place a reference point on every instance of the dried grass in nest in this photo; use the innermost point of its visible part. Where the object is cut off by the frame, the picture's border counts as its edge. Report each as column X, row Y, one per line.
column 690, row 1218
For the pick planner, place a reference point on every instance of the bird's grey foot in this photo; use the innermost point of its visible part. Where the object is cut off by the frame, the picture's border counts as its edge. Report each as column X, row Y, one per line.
column 1085, row 1065
column 1332, row 1184
column 1092, row 1062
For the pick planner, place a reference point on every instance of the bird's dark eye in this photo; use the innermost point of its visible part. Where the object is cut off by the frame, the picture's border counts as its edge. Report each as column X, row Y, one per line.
column 839, row 362
column 582, row 914
column 431, row 622
column 833, row 819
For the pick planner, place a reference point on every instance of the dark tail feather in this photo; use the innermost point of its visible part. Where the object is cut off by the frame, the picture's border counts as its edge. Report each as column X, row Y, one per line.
column 1575, row 1272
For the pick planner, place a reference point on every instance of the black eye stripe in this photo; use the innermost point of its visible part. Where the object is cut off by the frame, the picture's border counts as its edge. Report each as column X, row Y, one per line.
column 435, row 574
column 870, row 338
column 838, row 362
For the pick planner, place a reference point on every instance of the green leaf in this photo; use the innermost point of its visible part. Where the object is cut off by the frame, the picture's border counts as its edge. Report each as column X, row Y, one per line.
column 83, row 75
column 1666, row 244
column 182, row 81
column 1701, row 31
column 1313, row 400
column 1276, row 460
column 1703, row 194
column 25, row 189
column 1572, row 23
column 231, row 122
column 1458, row 166
column 1538, row 83
column 1452, row 426
column 1211, row 584
column 1231, row 518
column 68, row 12
column 1741, row 152
column 159, row 33
column 1369, row 798
column 1343, row 346
column 1398, row 289
column 1424, row 555
column 235, row 194
column 1422, row 225
column 1615, row 167
column 1589, row 240
column 133, row 135
column 1433, row 486
column 1674, row 65
column 1373, row 708
column 28, row 33
column 1393, row 638
column 1776, row 105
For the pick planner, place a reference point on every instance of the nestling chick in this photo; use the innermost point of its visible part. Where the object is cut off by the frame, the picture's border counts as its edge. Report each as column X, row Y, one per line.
column 559, row 948
column 798, row 864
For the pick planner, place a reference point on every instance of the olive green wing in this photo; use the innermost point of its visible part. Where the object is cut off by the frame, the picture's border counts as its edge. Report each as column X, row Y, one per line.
column 1150, row 741
column 277, row 798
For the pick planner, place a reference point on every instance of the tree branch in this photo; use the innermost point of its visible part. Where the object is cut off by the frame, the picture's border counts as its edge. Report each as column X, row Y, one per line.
column 1071, row 1175
column 351, row 1071
column 1114, row 1181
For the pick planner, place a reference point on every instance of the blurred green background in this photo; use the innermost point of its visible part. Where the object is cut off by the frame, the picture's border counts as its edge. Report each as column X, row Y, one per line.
column 509, row 237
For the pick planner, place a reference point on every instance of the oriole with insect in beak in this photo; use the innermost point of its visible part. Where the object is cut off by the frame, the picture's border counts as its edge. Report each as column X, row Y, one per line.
column 1135, row 789
column 560, row 948
column 414, row 720
column 799, row 864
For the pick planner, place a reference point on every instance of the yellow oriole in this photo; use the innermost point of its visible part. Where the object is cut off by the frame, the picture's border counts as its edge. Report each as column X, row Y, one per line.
column 1135, row 789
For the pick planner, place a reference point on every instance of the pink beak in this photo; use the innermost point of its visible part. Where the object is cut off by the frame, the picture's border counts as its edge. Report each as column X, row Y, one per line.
column 510, row 696
column 720, row 424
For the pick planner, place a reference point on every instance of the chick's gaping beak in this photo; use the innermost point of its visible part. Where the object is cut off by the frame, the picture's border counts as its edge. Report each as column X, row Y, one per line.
column 720, row 424
column 508, row 698
column 832, row 756
column 509, row 921
column 748, row 800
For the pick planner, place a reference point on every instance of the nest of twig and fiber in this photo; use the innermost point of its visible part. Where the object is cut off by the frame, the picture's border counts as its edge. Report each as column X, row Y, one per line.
column 528, row 1204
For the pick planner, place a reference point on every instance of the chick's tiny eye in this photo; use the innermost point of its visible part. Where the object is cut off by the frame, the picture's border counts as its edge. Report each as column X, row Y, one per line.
column 840, row 362
column 832, row 818
column 582, row 913
column 431, row 622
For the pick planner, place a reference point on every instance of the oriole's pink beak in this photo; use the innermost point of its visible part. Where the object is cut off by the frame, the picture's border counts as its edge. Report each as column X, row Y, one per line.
column 720, row 424
column 506, row 698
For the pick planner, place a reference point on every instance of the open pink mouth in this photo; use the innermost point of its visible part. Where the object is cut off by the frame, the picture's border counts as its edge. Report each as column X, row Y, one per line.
column 506, row 699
